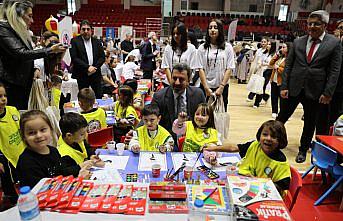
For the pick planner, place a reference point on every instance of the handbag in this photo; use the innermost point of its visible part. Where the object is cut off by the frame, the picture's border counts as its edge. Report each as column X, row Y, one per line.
column 255, row 84
column 38, row 101
column 221, row 118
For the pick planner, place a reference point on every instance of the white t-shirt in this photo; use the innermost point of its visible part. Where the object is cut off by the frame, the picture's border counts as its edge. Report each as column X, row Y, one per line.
column 215, row 62
column 171, row 57
column 129, row 70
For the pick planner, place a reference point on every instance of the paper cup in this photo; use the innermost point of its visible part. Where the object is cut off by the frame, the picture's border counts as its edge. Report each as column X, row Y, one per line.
column 111, row 146
column 120, row 148
column 187, row 173
column 156, row 170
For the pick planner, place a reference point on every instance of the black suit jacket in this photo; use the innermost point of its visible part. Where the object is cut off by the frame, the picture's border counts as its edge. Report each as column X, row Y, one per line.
column 164, row 99
column 148, row 58
column 79, row 57
column 317, row 77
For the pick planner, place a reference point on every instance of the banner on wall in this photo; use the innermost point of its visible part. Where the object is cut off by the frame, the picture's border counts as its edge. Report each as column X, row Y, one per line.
column 110, row 33
column 125, row 30
column 231, row 35
column 98, row 31
column 65, row 30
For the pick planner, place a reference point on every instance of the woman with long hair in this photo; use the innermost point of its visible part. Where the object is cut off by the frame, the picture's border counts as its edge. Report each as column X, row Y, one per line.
column 256, row 63
column 216, row 61
column 17, row 54
column 266, row 71
column 278, row 63
column 179, row 51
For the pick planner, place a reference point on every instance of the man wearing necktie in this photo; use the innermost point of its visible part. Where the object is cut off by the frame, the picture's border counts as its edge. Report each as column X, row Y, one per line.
column 310, row 77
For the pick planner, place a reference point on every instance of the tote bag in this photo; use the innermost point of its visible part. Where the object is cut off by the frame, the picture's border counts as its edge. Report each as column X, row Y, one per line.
column 255, row 84
column 221, row 118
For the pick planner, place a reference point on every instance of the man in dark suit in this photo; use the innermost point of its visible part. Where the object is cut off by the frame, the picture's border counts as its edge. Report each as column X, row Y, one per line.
column 310, row 76
column 87, row 56
column 149, row 52
column 178, row 97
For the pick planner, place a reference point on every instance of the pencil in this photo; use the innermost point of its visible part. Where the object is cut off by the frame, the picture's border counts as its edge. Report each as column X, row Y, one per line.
column 209, row 195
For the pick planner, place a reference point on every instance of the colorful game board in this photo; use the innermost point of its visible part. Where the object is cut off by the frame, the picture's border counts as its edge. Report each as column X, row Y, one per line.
column 217, row 203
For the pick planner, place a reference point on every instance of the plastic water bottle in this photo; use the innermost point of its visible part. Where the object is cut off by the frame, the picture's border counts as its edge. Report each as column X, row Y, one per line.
column 28, row 205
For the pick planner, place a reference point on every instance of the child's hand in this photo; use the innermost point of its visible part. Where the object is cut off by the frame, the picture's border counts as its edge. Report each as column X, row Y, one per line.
column 135, row 149
column 97, row 161
column 128, row 137
column 86, row 174
column 87, row 164
column 162, row 148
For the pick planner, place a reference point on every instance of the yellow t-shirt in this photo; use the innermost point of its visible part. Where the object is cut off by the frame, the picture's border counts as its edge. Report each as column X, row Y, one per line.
column 122, row 113
column 147, row 143
column 196, row 138
column 96, row 120
column 65, row 150
column 11, row 144
column 56, row 97
column 256, row 163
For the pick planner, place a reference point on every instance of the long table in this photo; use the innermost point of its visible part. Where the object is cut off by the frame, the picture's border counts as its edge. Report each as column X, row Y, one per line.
column 131, row 167
column 334, row 142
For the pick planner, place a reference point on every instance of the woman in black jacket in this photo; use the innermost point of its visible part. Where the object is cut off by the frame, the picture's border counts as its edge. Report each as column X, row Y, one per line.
column 16, row 52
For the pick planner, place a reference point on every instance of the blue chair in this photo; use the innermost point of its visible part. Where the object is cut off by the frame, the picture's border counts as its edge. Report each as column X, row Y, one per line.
column 325, row 159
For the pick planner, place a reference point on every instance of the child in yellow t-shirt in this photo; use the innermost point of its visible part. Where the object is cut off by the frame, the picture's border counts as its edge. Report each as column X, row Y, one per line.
column 125, row 114
column 57, row 97
column 263, row 157
column 11, row 146
column 199, row 132
column 96, row 117
column 151, row 136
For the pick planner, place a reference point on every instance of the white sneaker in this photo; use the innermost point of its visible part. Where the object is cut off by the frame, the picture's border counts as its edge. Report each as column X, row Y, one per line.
column 249, row 100
column 274, row 115
column 255, row 107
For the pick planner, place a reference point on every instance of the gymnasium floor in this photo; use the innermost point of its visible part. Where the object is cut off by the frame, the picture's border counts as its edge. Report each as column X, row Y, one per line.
column 244, row 124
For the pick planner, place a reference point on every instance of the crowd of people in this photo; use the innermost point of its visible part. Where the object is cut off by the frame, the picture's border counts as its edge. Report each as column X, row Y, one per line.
column 307, row 71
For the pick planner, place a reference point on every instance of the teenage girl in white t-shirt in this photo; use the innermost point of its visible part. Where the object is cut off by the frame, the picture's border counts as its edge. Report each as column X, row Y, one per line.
column 179, row 51
column 216, row 61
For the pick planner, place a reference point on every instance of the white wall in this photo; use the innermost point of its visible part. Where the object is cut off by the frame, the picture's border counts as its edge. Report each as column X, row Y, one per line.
column 145, row 3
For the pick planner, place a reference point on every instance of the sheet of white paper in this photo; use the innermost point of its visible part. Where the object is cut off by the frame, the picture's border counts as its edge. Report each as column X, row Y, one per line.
column 188, row 158
column 218, row 167
column 106, row 175
column 115, row 162
column 146, row 161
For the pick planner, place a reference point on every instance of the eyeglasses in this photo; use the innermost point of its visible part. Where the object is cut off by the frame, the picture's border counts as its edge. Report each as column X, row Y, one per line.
column 316, row 24
column 85, row 29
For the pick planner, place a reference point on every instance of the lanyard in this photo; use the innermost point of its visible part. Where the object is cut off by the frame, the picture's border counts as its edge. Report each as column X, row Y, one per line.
column 178, row 56
column 208, row 59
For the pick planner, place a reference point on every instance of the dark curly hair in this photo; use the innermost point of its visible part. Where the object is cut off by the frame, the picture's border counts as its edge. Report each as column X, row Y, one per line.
column 277, row 130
